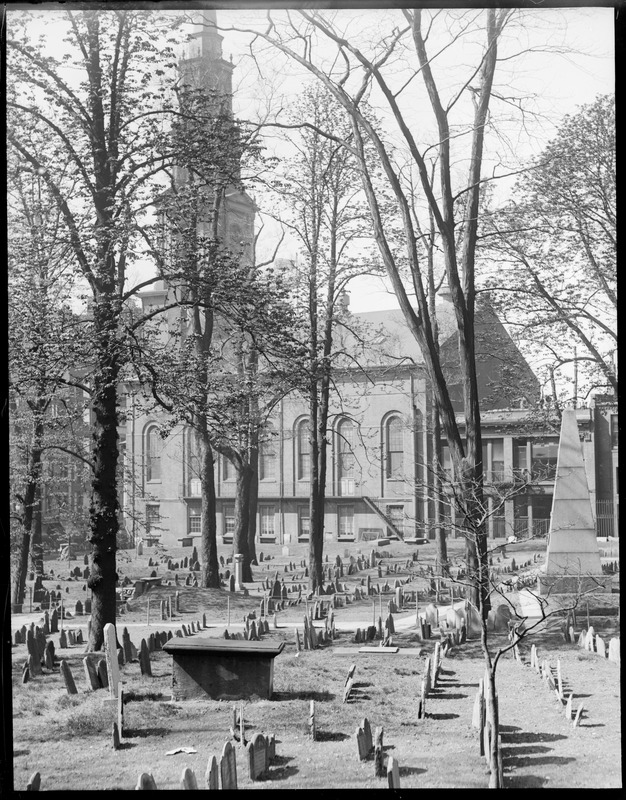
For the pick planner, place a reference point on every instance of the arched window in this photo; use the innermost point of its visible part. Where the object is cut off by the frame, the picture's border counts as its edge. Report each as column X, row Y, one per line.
column 153, row 454
column 394, row 455
column 345, row 453
column 303, row 451
column 267, row 454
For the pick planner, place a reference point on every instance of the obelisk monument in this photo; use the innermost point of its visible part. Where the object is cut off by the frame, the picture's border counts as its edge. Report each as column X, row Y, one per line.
column 572, row 558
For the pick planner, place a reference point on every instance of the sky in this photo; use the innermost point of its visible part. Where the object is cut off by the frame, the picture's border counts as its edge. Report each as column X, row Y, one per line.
column 557, row 83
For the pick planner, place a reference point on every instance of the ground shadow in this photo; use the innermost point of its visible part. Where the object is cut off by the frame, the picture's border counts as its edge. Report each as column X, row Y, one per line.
column 451, row 696
column 513, row 761
column 304, row 694
column 143, row 733
column 282, row 773
column 525, row 750
column 527, row 737
column 330, row 736
column 360, row 685
column 442, row 716
column 404, row 771
column 524, row 782
column 592, row 725
column 126, row 745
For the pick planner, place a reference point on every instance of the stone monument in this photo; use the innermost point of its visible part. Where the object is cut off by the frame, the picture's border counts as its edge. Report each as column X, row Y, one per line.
column 572, row 557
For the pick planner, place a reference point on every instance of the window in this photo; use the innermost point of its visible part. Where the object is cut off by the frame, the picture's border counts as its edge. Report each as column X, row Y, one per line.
column 544, row 458
column 153, row 455
column 345, row 520
column 614, row 430
column 267, row 515
column 520, row 514
column 493, row 459
column 303, row 447
column 153, row 517
column 345, row 457
column 229, row 521
column 194, row 521
column 541, row 508
column 395, row 514
column 540, row 453
column 498, row 527
column 304, row 522
column 446, row 460
column 267, row 455
column 395, row 449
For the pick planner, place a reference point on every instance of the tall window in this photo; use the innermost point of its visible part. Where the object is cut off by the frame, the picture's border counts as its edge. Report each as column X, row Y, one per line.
column 153, row 516
column 229, row 521
column 498, row 526
column 153, row 455
column 544, row 458
column 303, row 447
column 267, row 454
column 493, row 459
column 614, row 430
column 267, row 516
column 304, row 522
column 395, row 449
column 194, row 488
column 194, row 521
column 345, row 456
column 345, row 520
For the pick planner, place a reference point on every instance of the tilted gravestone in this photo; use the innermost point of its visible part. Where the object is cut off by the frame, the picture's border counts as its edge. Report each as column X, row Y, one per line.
column 91, row 673
column 211, row 776
column 34, row 783
column 103, row 675
column 367, row 731
column 49, row 655
column 393, row 773
column 66, row 672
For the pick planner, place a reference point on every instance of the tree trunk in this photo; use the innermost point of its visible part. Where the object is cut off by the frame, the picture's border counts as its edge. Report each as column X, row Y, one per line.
column 441, row 564
column 103, row 509
column 36, row 546
column 31, row 498
column 254, row 497
column 316, row 538
column 243, row 481
column 210, row 578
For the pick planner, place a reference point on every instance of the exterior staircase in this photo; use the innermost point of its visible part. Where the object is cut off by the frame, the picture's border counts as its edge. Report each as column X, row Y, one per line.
column 381, row 514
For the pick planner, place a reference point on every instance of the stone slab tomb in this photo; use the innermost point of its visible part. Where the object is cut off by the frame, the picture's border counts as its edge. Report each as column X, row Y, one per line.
column 223, row 669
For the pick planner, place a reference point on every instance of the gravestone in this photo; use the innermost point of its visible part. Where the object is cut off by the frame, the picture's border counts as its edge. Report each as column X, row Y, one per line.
column 34, row 784
column 91, row 673
column 572, row 557
column 378, row 753
column 146, row 782
column 367, row 731
column 103, row 675
column 257, row 756
column 228, row 767
column 211, row 776
column 115, row 732
column 120, row 711
column 66, row 672
column 600, row 646
column 312, row 728
column 110, row 651
column 393, row 773
column 188, row 779
column 614, row 651
column 578, row 717
column 49, row 655
column 361, row 743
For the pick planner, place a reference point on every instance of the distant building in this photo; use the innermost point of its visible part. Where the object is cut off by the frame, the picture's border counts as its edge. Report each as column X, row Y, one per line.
column 380, row 480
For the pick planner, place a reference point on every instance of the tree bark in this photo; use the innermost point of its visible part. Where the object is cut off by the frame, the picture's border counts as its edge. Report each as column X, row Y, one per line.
column 210, row 578
column 103, row 510
column 254, row 497
column 243, row 473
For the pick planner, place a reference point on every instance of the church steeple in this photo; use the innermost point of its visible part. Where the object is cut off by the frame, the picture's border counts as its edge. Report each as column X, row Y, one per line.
column 202, row 64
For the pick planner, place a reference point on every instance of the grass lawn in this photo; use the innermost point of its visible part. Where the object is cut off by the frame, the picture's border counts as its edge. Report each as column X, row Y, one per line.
column 67, row 738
